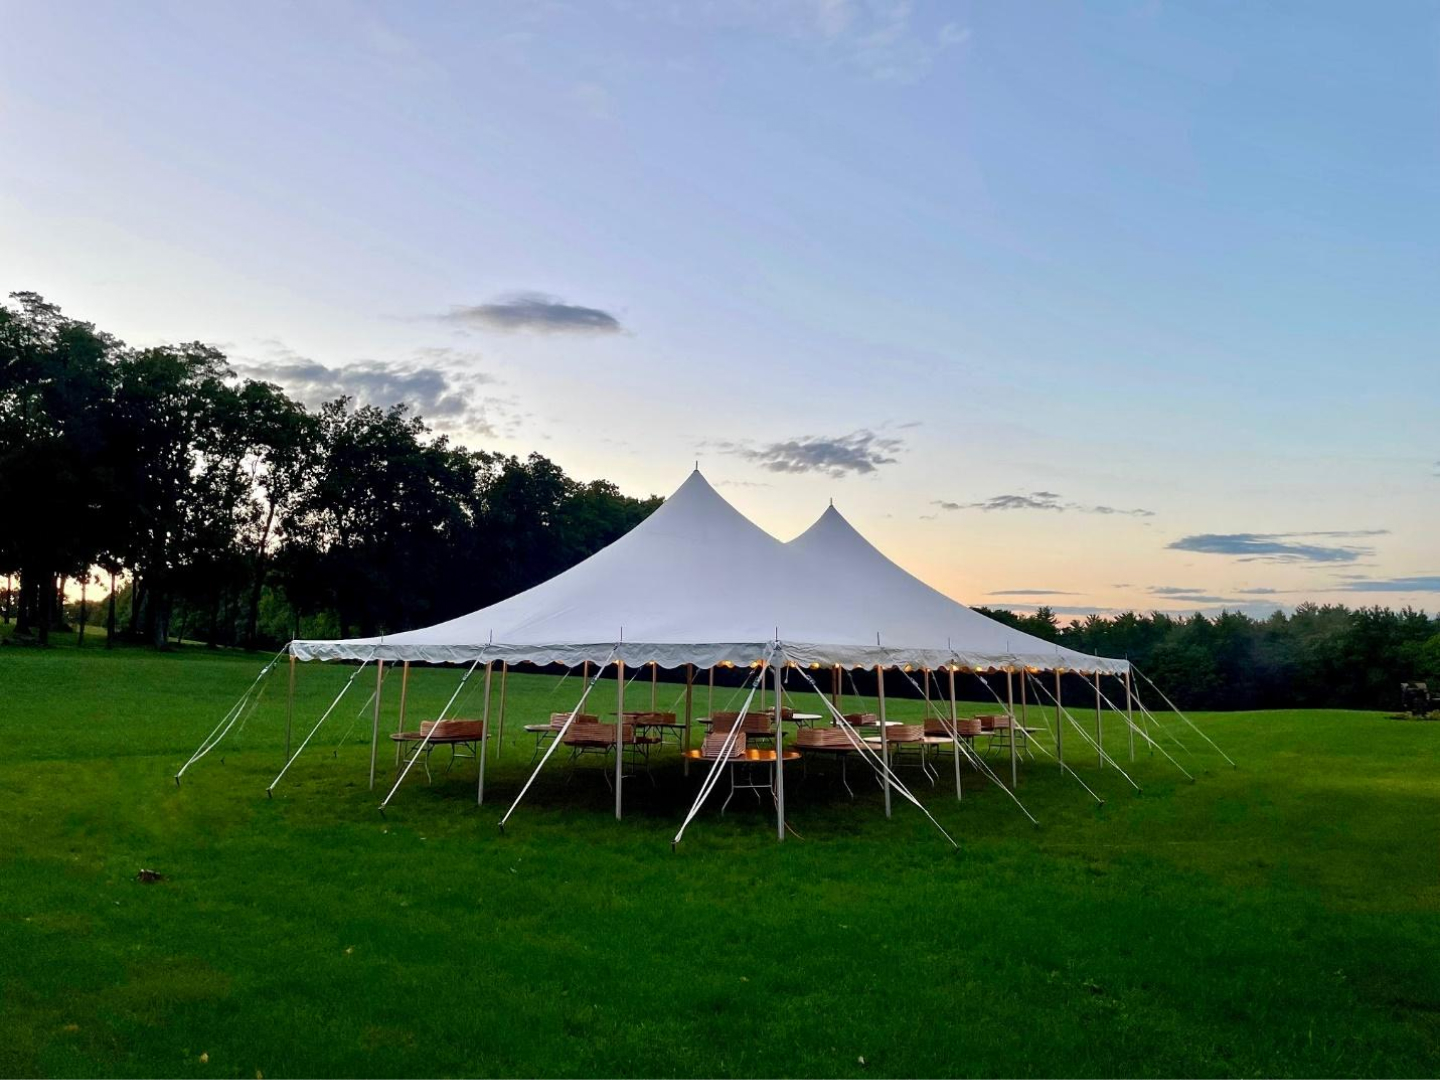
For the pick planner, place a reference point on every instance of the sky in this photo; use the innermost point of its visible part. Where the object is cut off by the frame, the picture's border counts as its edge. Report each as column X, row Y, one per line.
column 1111, row 306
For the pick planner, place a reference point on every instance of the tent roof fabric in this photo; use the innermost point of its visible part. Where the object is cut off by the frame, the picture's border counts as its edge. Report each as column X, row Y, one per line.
column 699, row 583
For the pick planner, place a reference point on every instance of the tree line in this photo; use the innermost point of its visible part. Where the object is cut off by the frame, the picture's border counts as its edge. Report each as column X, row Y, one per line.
column 222, row 509
column 1316, row 656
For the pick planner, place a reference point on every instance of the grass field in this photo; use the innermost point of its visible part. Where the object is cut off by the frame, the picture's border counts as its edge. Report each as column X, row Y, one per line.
column 1282, row 919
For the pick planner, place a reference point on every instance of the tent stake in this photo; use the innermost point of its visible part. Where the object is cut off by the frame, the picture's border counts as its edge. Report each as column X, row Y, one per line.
column 375, row 720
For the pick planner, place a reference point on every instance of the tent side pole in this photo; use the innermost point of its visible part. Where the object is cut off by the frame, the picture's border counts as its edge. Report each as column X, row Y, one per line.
column 835, row 688
column 375, row 720
column 779, row 755
column 1099, row 726
column 689, row 714
column 1010, row 708
column 654, row 683
column 884, row 741
column 619, row 733
column 1129, row 711
column 400, row 720
column 1024, row 703
column 710, row 698
column 1059, row 725
column 500, row 723
column 290, row 707
column 955, row 732
column 484, row 735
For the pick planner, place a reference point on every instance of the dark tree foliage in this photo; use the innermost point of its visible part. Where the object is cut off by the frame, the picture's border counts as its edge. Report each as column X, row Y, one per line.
column 236, row 516
column 1326, row 655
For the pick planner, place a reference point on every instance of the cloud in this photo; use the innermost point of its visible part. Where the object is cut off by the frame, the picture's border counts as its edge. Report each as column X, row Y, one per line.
column 438, row 384
column 1279, row 547
column 1038, row 500
column 535, row 313
column 1190, row 595
column 1421, row 583
column 858, row 453
column 1257, row 592
column 1031, row 592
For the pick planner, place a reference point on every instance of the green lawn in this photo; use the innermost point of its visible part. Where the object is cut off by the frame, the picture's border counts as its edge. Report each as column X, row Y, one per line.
column 1278, row 919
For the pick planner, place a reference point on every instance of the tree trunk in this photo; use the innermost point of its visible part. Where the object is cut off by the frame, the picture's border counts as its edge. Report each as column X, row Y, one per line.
column 23, row 614
column 110, row 617
column 252, row 615
column 80, row 635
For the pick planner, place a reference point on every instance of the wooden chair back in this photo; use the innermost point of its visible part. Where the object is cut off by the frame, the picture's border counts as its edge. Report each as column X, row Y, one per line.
column 557, row 719
column 714, row 745
column 453, row 729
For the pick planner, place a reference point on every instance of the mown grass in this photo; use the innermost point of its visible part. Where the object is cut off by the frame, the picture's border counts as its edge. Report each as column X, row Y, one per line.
column 1278, row 919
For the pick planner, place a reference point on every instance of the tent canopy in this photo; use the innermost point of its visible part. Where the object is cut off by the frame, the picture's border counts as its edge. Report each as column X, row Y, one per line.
column 699, row 583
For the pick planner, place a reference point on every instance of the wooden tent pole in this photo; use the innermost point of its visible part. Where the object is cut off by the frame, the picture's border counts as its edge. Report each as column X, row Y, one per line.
column 1099, row 726
column 400, row 721
column 654, row 682
column 955, row 732
column 500, row 723
column 884, row 740
column 619, row 732
column 290, row 707
column 779, row 756
column 484, row 736
column 375, row 720
column 689, row 713
column 1010, row 708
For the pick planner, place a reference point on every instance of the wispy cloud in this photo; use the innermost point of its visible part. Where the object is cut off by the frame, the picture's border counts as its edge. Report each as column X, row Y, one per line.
column 1420, row 583
column 438, row 384
column 857, row 453
column 536, row 313
column 1030, row 592
column 1038, row 500
column 1280, row 547
column 1190, row 595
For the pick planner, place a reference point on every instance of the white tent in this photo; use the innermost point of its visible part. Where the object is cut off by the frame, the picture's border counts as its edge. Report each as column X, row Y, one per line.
column 699, row 583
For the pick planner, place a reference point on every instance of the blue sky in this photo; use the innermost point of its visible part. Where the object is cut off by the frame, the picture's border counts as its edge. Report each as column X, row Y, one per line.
column 1126, row 305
